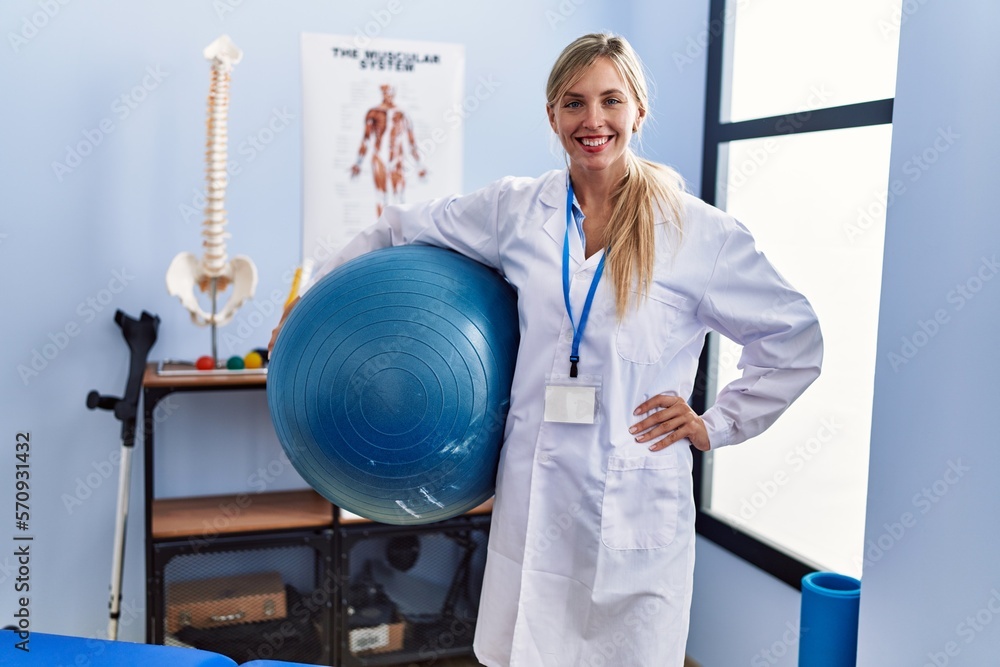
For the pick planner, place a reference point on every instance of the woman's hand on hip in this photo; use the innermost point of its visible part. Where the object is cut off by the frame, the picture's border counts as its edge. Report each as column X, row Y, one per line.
column 672, row 417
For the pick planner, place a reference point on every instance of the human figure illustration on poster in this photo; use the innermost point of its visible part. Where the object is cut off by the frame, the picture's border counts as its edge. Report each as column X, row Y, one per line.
column 388, row 114
column 391, row 172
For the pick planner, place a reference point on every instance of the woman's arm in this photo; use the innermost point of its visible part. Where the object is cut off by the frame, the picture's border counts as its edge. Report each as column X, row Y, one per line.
column 749, row 302
column 467, row 224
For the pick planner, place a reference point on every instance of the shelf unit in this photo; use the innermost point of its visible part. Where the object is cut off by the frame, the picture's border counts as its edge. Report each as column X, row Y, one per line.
column 175, row 518
column 175, row 527
column 440, row 615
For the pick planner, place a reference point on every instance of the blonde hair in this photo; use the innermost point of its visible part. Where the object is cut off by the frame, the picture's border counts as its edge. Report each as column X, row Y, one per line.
column 630, row 235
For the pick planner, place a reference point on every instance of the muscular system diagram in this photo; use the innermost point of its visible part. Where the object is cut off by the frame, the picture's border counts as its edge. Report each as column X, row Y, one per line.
column 387, row 118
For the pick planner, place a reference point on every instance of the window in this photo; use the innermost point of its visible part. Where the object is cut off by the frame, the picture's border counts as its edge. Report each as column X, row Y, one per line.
column 797, row 142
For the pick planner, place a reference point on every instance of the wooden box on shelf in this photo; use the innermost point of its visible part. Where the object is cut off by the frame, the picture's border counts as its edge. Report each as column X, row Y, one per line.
column 220, row 601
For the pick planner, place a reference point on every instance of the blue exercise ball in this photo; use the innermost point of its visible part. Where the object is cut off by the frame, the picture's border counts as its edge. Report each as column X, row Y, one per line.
column 390, row 381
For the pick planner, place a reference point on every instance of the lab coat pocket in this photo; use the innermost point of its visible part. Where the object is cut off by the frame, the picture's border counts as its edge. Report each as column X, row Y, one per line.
column 640, row 502
column 644, row 331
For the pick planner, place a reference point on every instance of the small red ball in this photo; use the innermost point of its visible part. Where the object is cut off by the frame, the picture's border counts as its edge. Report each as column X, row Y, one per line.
column 204, row 363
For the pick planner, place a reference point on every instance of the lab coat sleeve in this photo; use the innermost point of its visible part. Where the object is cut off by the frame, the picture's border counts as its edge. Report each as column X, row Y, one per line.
column 467, row 224
column 747, row 301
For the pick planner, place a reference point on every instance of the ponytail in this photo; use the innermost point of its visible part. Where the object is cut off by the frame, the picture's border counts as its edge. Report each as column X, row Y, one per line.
column 647, row 190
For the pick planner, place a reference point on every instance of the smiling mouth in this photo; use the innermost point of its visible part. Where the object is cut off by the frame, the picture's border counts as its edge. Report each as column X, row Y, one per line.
column 593, row 142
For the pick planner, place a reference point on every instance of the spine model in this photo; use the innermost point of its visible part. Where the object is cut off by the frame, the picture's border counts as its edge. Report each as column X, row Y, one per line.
column 214, row 273
column 213, row 261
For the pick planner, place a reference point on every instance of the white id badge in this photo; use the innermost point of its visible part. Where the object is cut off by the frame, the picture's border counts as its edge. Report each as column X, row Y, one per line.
column 572, row 400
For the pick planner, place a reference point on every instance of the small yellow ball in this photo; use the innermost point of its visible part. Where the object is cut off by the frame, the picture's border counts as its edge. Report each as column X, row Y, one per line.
column 253, row 360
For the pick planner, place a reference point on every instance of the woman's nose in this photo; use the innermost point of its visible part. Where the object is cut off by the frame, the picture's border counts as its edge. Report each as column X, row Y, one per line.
column 594, row 117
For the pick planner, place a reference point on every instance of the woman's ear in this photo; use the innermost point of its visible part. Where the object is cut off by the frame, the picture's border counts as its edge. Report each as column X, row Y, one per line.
column 551, row 112
column 638, row 120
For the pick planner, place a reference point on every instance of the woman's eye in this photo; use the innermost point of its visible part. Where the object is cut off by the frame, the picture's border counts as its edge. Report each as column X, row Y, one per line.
column 573, row 104
column 613, row 100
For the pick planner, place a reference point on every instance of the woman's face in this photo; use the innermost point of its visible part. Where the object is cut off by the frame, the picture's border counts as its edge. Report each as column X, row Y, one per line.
column 595, row 118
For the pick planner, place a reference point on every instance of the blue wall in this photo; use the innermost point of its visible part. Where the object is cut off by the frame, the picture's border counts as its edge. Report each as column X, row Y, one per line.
column 126, row 208
column 96, row 234
column 76, row 244
column 931, row 581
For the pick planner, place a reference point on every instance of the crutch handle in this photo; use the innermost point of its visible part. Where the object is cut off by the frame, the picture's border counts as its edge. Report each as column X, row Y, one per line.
column 95, row 400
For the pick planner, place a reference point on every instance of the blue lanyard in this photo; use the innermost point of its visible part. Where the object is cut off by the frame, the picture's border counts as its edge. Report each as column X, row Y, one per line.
column 574, row 355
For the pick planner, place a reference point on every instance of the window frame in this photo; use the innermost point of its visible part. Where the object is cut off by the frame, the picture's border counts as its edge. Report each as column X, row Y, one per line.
column 717, row 134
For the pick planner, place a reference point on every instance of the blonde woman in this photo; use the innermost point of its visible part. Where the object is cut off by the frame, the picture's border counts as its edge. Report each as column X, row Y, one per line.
column 591, row 548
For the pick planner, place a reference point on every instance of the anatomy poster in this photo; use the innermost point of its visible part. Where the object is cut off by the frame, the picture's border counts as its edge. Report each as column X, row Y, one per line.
column 382, row 124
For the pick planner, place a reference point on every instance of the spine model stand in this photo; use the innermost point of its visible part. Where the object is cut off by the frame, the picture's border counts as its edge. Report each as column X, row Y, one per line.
column 215, row 273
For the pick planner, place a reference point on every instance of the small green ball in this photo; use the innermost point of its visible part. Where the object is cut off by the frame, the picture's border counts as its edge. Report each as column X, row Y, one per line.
column 235, row 363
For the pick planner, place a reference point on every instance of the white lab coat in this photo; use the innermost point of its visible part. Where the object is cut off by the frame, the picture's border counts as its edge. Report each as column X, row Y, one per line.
column 591, row 548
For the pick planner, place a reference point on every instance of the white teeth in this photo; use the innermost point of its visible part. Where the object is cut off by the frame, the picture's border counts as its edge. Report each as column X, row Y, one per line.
column 595, row 142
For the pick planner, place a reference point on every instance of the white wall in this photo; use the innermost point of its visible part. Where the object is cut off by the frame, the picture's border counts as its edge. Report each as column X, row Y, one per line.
column 930, row 584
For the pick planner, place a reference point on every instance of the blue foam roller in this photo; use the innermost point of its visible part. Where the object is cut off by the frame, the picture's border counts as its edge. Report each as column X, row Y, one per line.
column 390, row 382
column 829, row 620
column 48, row 650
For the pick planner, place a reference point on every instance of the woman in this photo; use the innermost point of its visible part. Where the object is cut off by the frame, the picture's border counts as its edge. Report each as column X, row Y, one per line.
column 591, row 547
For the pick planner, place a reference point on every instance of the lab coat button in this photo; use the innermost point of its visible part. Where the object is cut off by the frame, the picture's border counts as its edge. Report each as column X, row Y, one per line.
column 543, row 458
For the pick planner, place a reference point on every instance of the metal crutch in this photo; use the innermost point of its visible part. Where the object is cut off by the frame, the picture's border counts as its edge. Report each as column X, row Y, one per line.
column 140, row 335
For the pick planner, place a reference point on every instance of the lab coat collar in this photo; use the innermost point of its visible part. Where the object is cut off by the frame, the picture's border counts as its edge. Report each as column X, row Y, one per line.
column 553, row 196
column 553, row 191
